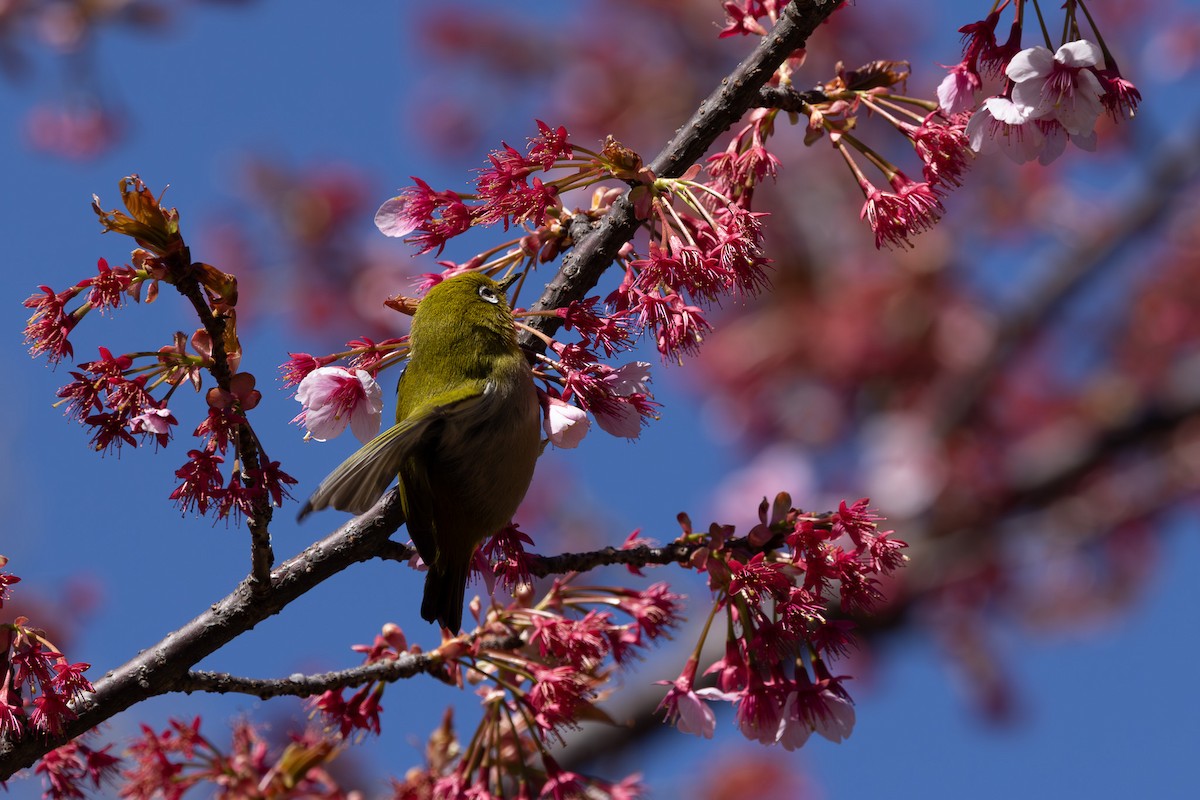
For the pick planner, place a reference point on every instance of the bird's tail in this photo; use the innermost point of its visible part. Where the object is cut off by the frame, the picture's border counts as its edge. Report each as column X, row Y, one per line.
column 444, row 591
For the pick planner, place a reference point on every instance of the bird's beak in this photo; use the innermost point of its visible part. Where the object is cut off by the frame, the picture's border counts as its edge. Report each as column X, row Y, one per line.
column 507, row 282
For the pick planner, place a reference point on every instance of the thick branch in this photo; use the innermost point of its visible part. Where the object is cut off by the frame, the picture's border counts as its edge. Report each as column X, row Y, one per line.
column 161, row 668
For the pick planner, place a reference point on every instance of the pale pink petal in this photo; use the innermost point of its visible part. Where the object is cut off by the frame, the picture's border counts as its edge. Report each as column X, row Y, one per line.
column 334, row 397
column 838, row 722
column 977, row 131
column 619, row 419
column 1007, row 111
column 1027, row 96
column 956, row 92
column 367, row 417
column 1087, row 143
column 1034, row 62
column 565, row 424
column 695, row 717
column 1055, row 143
column 631, row 378
column 1080, row 53
column 391, row 218
column 151, row 420
column 793, row 729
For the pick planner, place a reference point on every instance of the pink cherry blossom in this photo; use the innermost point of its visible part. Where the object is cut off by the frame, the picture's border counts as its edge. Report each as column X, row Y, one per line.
column 1059, row 85
column 956, row 92
column 620, row 417
column 1001, row 125
column 632, row 378
column 334, row 397
column 564, row 423
column 687, row 706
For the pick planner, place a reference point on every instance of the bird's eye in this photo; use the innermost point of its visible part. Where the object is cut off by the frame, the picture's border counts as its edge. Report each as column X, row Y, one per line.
column 489, row 294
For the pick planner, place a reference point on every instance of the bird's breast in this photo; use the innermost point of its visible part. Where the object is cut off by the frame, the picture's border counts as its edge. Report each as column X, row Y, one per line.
column 484, row 463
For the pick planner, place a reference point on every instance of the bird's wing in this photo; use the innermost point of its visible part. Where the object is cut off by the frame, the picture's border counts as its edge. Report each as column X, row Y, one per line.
column 361, row 479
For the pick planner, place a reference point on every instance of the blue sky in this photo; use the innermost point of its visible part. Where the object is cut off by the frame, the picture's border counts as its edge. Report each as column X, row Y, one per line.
column 1110, row 712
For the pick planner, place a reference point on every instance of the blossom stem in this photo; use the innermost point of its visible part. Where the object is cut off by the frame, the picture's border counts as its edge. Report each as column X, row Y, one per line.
column 1037, row 9
column 704, row 633
column 877, row 160
column 525, row 774
column 1109, row 61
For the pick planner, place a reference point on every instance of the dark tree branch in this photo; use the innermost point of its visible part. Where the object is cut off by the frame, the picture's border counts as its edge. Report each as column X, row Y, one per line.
column 262, row 557
column 161, row 668
column 789, row 99
column 406, row 666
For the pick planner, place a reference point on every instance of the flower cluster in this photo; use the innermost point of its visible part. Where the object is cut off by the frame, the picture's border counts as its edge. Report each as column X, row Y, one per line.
column 70, row 771
column 359, row 714
column 506, row 191
column 115, row 396
column 904, row 207
column 442, row 775
column 37, row 682
column 1049, row 97
column 704, row 244
column 533, row 691
column 171, row 762
column 907, row 206
column 775, row 588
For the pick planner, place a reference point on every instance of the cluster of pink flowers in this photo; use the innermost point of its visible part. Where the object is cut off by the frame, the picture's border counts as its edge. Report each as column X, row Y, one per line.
column 904, row 207
column 171, row 762
column 37, row 683
column 1048, row 98
column 71, row 771
column 359, row 714
column 507, row 191
column 531, row 694
column 742, row 16
column 527, row 779
column 780, row 636
column 705, row 243
column 907, row 206
column 114, row 396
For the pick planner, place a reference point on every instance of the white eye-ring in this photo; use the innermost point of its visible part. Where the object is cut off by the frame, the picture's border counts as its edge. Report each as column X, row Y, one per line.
column 489, row 294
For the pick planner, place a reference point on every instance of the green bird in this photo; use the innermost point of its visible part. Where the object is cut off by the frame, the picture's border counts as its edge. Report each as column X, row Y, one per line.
column 465, row 442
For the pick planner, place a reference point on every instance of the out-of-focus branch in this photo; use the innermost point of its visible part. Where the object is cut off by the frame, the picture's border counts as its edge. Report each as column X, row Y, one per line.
column 1175, row 167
